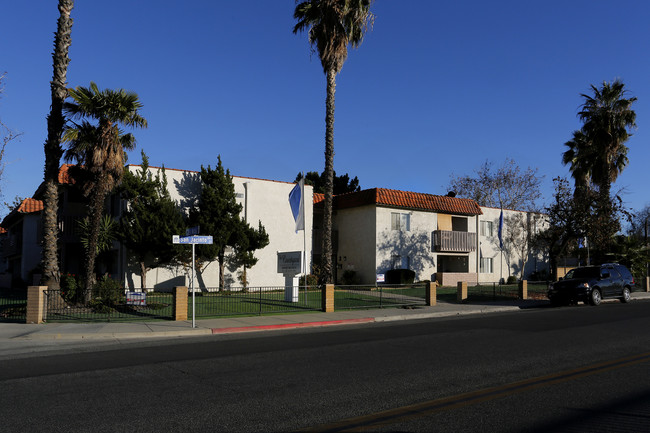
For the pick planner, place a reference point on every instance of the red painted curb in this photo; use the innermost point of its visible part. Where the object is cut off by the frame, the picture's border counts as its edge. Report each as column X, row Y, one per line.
column 291, row 325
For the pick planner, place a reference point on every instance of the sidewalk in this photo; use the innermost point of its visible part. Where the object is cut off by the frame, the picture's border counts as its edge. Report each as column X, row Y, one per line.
column 117, row 331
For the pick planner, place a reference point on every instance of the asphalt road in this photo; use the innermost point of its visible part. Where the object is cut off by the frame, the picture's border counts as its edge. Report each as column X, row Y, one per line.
column 566, row 369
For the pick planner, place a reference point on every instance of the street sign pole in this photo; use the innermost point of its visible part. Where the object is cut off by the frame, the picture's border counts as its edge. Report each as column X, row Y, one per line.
column 193, row 238
column 193, row 294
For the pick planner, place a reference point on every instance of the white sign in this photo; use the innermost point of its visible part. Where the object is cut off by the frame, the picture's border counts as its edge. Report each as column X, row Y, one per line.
column 381, row 278
column 192, row 239
column 290, row 263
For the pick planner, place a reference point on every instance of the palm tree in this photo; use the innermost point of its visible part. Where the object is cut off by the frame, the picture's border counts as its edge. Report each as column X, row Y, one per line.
column 53, row 150
column 607, row 117
column 100, row 149
column 332, row 25
column 579, row 157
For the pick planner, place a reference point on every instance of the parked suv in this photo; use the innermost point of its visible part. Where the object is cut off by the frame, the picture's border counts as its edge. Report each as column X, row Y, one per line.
column 593, row 284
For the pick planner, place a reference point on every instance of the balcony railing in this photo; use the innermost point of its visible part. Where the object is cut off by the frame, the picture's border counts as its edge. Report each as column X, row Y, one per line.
column 453, row 242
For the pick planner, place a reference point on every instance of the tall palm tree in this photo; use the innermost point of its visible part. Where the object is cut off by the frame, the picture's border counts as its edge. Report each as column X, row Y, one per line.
column 331, row 25
column 53, row 150
column 579, row 157
column 100, row 149
column 607, row 117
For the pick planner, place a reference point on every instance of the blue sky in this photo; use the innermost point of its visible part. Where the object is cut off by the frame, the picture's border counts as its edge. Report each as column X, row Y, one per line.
column 436, row 88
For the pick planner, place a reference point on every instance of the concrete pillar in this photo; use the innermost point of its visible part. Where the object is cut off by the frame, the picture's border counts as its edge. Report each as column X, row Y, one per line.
column 180, row 303
column 647, row 284
column 432, row 293
column 328, row 298
column 461, row 295
column 523, row 289
column 35, row 304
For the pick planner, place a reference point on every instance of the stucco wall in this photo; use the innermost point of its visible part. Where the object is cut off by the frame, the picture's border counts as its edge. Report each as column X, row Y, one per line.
column 356, row 242
column 414, row 244
column 262, row 200
column 510, row 262
column 31, row 252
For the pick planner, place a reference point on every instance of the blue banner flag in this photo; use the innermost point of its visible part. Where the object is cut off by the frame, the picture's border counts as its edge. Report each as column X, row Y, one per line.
column 501, row 230
column 297, row 202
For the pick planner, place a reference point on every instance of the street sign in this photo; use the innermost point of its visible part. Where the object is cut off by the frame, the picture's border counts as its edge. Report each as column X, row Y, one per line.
column 176, row 239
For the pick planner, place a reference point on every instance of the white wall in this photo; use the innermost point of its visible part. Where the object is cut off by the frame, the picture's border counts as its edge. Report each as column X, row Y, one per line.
column 262, row 200
column 414, row 244
column 510, row 262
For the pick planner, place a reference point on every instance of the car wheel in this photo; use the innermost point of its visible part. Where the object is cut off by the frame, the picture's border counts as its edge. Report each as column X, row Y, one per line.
column 627, row 297
column 595, row 297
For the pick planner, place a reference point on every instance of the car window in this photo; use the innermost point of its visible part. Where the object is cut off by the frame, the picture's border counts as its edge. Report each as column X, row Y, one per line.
column 624, row 272
column 614, row 273
column 586, row 272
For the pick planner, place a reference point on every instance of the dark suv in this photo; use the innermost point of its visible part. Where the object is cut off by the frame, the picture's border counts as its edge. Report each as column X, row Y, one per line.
column 593, row 284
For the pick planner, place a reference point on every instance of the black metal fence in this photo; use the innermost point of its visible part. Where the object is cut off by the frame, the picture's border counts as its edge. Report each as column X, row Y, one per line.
column 13, row 305
column 380, row 296
column 494, row 292
column 254, row 301
column 108, row 305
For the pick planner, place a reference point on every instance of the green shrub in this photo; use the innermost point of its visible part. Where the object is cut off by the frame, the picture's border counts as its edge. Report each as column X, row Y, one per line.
column 512, row 280
column 312, row 280
column 106, row 294
column 400, row 276
column 71, row 288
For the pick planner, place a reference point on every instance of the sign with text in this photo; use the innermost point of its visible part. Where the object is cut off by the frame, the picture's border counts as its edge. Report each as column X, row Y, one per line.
column 290, row 262
column 381, row 278
column 192, row 239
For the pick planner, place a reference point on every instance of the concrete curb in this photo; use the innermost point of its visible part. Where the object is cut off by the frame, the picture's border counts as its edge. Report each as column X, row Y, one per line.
column 114, row 335
column 291, row 325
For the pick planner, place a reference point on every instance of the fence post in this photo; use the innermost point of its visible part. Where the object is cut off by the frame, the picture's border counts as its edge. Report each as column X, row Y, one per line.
column 431, row 293
column 523, row 289
column 35, row 304
column 461, row 295
column 647, row 284
column 328, row 298
column 180, row 303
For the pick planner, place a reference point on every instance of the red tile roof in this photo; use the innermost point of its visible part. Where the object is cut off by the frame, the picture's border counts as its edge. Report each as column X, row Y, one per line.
column 64, row 175
column 318, row 197
column 3, row 230
column 30, row 205
column 408, row 200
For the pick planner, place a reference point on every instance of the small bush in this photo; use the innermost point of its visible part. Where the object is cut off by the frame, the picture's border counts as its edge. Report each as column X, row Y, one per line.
column 311, row 280
column 71, row 288
column 512, row 280
column 400, row 276
column 106, row 294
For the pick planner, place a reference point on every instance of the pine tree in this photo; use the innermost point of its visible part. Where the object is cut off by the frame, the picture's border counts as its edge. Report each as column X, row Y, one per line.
column 151, row 219
column 218, row 215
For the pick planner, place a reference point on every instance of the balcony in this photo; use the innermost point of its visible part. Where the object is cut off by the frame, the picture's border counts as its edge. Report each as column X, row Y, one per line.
column 453, row 242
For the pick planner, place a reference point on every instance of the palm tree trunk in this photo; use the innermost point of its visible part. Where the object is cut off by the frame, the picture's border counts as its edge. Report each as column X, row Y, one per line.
column 53, row 151
column 327, row 271
column 222, row 267
column 143, row 275
column 96, row 211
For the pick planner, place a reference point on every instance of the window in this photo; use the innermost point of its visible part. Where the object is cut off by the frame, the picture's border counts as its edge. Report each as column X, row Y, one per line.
column 486, row 228
column 486, row 265
column 400, row 262
column 400, row 221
